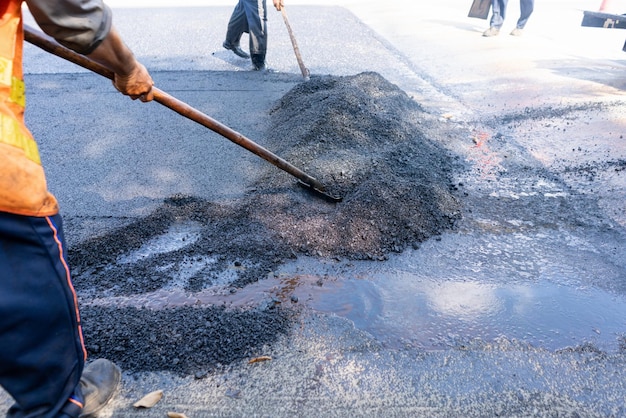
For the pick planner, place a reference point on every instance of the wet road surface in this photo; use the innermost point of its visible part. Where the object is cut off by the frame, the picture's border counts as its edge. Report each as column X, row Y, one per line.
column 519, row 312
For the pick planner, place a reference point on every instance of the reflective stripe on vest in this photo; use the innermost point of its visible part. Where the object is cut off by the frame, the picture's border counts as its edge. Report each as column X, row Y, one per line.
column 11, row 134
column 12, row 88
column 17, row 92
column 23, row 189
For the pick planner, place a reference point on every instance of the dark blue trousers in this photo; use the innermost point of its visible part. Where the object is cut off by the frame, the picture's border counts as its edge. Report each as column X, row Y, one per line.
column 249, row 16
column 498, row 12
column 41, row 345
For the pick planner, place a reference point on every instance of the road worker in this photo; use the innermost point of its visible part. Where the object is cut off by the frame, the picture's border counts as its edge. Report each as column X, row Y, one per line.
column 43, row 361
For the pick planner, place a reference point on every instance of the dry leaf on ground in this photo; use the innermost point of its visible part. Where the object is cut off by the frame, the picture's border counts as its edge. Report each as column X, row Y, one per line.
column 149, row 400
column 258, row 359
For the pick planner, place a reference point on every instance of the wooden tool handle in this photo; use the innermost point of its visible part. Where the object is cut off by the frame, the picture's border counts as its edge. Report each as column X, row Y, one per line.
column 296, row 50
column 48, row 44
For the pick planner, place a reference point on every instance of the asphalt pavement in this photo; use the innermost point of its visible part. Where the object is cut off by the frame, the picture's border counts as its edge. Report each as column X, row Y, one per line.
column 554, row 98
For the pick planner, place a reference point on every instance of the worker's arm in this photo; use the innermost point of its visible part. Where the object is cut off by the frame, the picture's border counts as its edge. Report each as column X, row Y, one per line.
column 131, row 77
column 85, row 26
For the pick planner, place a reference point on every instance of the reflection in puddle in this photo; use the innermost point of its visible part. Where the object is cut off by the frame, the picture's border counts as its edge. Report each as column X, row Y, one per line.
column 403, row 309
column 550, row 290
column 463, row 300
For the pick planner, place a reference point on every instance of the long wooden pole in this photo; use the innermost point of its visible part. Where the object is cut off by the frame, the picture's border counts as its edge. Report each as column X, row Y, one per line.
column 48, row 44
column 296, row 50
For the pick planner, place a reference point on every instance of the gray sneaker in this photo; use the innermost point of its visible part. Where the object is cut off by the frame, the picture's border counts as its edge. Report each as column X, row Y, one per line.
column 517, row 32
column 99, row 383
column 492, row 31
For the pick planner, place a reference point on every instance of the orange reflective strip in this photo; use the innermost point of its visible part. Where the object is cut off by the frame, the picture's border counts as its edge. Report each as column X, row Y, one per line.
column 12, row 134
column 70, row 285
column 75, row 402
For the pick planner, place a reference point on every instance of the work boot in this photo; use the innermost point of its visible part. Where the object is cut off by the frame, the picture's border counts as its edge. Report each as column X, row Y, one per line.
column 517, row 32
column 99, row 384
column 236, row 49
column 492, row 31
column 258, row 62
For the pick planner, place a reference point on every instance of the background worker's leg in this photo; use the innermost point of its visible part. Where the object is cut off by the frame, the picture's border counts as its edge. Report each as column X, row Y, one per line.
column 498, row 13
column 526, row 9
column 256, row 13
column 237, row 25
column 41, row 348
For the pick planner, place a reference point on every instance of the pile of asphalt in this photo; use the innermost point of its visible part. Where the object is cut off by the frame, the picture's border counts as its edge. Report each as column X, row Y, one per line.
column 362, row 137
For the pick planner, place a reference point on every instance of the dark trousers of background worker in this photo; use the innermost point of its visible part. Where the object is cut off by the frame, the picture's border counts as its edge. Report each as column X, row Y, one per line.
column 41, row 346
column 498, row 12
column 250, row 16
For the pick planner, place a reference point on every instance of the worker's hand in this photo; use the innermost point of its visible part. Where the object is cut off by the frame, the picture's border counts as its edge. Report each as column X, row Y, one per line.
column 131, row 77
column 278, row 4
column 137, row 84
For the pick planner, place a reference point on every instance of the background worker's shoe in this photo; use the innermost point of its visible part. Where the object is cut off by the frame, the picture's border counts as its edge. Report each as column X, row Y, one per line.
column 258, row 62
column 236, row 49
column 492, row 31
column 99, row 383
column 259, row 67
column 517, row 32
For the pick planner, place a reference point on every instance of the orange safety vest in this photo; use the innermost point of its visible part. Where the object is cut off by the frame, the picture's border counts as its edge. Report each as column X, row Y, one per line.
column 23, row 188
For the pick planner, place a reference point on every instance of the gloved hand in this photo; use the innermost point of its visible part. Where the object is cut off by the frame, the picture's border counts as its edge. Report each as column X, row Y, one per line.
column 278, row 4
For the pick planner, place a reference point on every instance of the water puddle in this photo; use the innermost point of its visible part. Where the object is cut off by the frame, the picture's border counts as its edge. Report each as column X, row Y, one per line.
column 402, row 308
column 551, row 290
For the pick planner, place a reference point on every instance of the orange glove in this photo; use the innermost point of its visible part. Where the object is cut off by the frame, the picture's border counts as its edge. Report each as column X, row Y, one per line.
column 278, row 4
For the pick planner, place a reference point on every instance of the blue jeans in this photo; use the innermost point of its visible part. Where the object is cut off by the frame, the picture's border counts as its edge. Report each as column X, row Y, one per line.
column 498, row 12
column 41, row 346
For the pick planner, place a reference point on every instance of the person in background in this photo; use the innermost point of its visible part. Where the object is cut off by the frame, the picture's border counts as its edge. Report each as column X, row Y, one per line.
column 42, row 353
column 498, row 12
column 250, row 16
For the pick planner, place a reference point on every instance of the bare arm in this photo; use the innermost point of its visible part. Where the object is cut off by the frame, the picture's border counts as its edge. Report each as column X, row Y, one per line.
column 131, row 77
column 85, row 26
